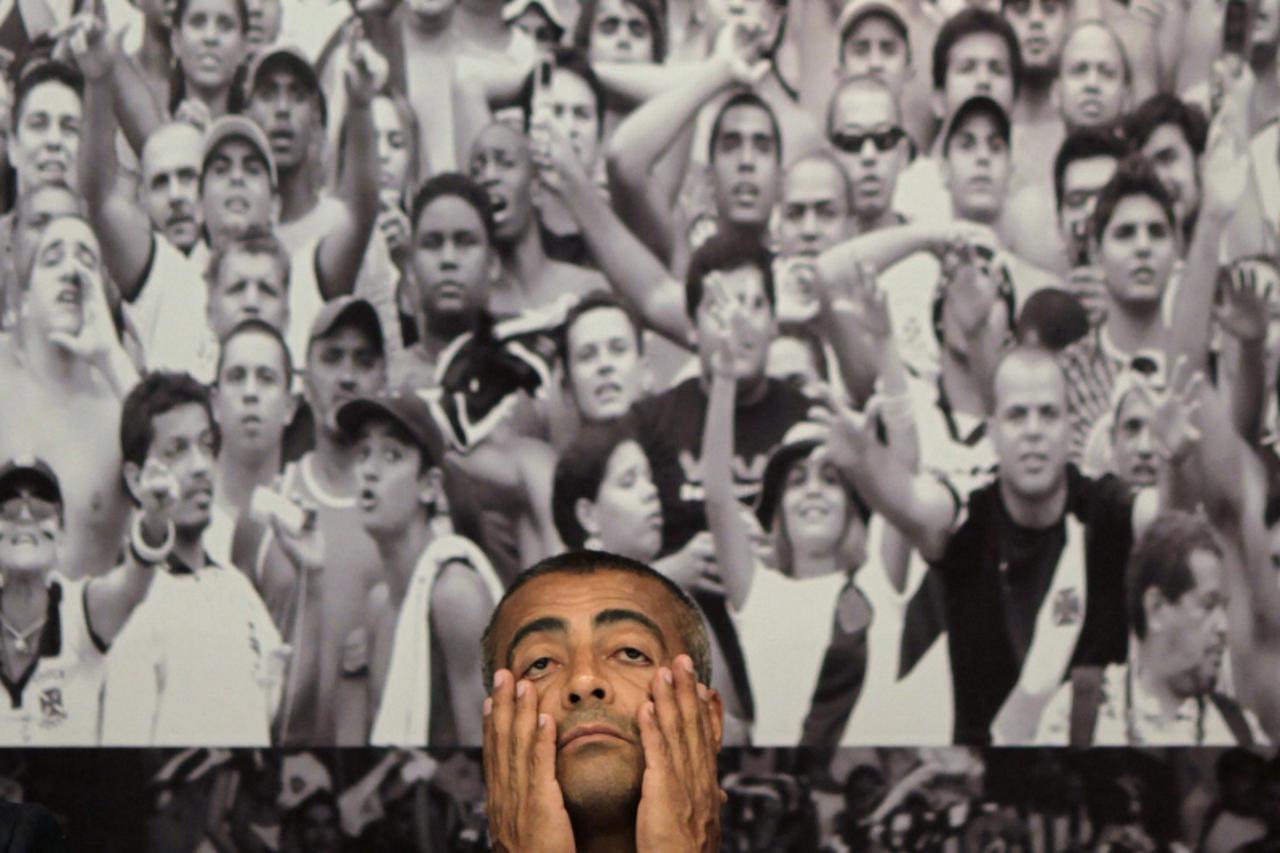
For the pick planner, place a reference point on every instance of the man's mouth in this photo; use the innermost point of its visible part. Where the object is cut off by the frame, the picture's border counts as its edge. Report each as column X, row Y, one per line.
column 24, row 538
column 589, row 733
column 981, row 182
column 236, row 204
column 497, row 204
column 251, row 420
column 200, row 495
column 1036, row 44
column 280, row 138
column 608, row 391
column 179, row 219
column 1091, row 107
column 52, row 167
column 745, row 194
column 654, row 520
column 1033, row 459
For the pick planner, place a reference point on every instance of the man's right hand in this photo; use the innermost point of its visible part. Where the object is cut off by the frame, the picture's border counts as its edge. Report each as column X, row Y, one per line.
column 1089, row 286
column 158, row 490
column 525, row 803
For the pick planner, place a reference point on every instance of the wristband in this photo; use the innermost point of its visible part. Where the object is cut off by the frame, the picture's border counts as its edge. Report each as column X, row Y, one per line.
column 144, row 552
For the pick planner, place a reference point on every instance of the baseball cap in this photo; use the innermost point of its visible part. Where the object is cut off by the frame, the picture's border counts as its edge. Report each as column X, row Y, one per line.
column 977, row 105
column 237, row 127
column 513, row 9
column 406, row 407
column 292, row 58
column 797, row 444
column 347, row 308
column 31, row 473
column 859, row 10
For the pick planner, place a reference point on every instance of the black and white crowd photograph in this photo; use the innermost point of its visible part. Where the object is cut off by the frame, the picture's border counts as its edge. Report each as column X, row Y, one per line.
column 640, row 425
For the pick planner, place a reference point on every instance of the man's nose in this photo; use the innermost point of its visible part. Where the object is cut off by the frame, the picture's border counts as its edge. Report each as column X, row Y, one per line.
column 586, row 682
column 1143, row 443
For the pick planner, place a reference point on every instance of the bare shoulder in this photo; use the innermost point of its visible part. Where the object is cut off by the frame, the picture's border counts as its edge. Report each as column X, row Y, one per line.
column 460, row 596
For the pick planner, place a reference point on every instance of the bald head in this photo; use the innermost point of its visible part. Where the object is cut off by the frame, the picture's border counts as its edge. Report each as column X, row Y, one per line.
column 1023, row 361
column 862, row 100
column 170, row 182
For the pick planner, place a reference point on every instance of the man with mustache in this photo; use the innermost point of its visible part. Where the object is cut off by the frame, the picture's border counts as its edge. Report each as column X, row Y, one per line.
column 1164, row 695
column 169, row 188
column 201, row 660
column 65, row 363
column 600, row 731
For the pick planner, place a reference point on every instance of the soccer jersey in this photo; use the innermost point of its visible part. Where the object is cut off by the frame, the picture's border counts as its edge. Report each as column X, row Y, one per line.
column 1016, row 597
column 55, row 702
column 199, row 662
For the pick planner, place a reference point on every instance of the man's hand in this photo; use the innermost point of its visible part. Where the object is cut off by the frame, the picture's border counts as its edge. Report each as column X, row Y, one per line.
column 742, row 49
column 395, row 228
column 525, row 803
column 558, row 166
column 366, row 71
column 304, row 548
column 729, row 324
column 1088, row 285
column 1174, row 423
column 690, row 564
column 680, row 797
column 859, row 297
column 972, row 288
column 1226, row 159
column 1246, row 309
column 194, row 112
column 97, row 335
column 86, row 39
column 158, row 490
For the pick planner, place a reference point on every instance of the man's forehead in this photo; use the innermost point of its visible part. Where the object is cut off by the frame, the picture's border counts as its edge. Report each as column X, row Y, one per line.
column 746, row 118
column 184, row 419
column 69, row 228
column 816, row 179
column 1092, row 172
column 1028, row 380
column 981, row 43
column 576, row 597
column 1091, row 39
column 52, row 96
column 499, row 137
column 174, row 142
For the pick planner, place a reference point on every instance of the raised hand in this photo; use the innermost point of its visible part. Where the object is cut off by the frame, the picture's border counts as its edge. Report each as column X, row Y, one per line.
column 729, row 324
column 304, row 547
column 680, row 796
column 1088, row 285
column 850, row 433
column 1175, row 427
column 1246, row 307
column 195, row 113
column 86, row 39
column 1226, row 158
column 525, row 804
column 395, row 228
column 742, row 48
column 158, row 490
column 688, row 566
column 367, row 70
column 973, row 289
column 559, row 168
column 858, row 297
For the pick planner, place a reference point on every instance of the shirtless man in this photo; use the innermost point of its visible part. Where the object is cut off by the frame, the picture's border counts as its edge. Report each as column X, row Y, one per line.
column 65, row 364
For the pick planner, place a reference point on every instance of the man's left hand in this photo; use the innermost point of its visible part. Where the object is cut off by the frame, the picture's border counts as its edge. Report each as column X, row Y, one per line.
column 680, row 798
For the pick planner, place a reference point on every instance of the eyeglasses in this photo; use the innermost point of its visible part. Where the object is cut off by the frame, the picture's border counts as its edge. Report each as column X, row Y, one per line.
column 38, row 509
column 884, row 140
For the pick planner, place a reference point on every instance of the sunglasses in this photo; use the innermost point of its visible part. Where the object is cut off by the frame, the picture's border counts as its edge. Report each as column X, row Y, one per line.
column 38, row 509
column 883, row 140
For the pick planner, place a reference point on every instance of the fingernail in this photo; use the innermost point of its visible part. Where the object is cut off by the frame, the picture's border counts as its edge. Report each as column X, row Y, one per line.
column 544, row 720
column 500, row 678
column 488, row 706
column 666, row 676
column 685, row 662
column 521, row 687
column 702, row 691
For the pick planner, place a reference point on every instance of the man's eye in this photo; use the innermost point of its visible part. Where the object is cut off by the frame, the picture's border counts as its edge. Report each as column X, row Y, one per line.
column 538, row 667
column 634, row 655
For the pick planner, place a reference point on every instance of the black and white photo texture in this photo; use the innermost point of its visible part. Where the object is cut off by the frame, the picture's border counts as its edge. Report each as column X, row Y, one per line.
column 908, row 368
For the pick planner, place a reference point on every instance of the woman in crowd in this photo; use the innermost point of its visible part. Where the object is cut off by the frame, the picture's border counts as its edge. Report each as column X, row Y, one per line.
column 209, row 49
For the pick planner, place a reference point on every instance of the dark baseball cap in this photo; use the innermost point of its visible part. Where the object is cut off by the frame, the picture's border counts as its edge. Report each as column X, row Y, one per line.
column 289, row 57
column 347, row 309
column 238, row 127
column 859, row 10
column 406, row 407
column 801, row 440
column 977, row 105
column 30, row 473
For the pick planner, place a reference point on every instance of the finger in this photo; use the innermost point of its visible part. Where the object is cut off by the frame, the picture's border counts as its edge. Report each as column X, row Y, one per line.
column 500, row 723
column 656, row 755
column 524, row 725
column 693, row 725
column 542, row 767
column 669, row 719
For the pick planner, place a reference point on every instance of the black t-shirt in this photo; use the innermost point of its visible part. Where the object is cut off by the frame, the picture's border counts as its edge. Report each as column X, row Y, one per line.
column 669, row 428
column 995, row 575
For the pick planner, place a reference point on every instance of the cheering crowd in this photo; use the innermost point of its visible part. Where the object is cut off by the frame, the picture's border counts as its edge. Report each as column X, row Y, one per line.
column 931, row 347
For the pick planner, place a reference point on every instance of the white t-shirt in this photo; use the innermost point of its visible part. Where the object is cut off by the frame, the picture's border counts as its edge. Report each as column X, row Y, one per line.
column 58, row 704
column 198, row 663
column 170, row 310
column 921, row 194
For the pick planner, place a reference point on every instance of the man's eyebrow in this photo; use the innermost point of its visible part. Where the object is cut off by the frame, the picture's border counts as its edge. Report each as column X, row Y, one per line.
column 609, row 617
column 537, row 626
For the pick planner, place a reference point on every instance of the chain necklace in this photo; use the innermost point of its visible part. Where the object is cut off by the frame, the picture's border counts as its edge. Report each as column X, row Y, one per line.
column 21, row 638
column 1130, row 715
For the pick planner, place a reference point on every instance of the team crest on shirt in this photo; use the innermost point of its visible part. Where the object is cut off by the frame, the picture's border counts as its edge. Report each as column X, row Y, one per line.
column 51, row 708
column 1066, row 607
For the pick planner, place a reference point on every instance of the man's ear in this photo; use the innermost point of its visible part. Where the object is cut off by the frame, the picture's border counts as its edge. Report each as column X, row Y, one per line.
column 1154, row 605
column 131, row 475
column 717, row 717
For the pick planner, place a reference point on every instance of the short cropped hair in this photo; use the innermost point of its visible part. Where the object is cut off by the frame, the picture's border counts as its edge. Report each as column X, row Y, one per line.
column 596, row 300
column 968, row 22
column 689, row 622
column 42, row 70
column 254, row 241
column 726, row 252
column 744, row 99
column 1084, row 144
column 575, row 62
column 1161, row 109
column 825, row 155
column 460, row 186
column 156, row 394
column 1134, row 177
column 250, row 326
column 1161, row 559
column 859, row 81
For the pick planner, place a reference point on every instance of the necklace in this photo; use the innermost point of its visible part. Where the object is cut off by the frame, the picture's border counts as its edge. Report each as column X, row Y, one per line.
column 1131, row 717
column 21, row 639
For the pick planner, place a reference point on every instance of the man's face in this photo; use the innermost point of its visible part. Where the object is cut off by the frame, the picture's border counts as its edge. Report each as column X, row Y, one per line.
column 252, row 405
column 1040, row 26
column 1266, row 25
column 1133, row 450
column 182, row 438
column 604, row 368
column 35, row 211
column 569, row 105
column 750, row 351
column 1031, row 428
column 876, row 48
column 452, row 260
column 871, row 113
column 979, row 64
column 1175, row 164
column 237, row 192
column 602, row 638
column 500, row 164
column 429, row 11
column 285, row 107
column 29, row 532
column 815, row 212
column 46, row 141
column 1197, row 626
column 249, row 285
column 1137, row 253
column 170, row 183
column 393, row 140
column 977, row 169
column 1082, row 180
column 1092, row 87
column 66, row 264
column 387, row 471
column 345, row 364
column 620, row 33
column 626, row 516
column 265, row 18
column 745, row 167
column 791, row 361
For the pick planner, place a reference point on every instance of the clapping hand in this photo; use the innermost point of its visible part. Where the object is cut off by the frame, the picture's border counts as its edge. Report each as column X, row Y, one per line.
column 680, row 795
